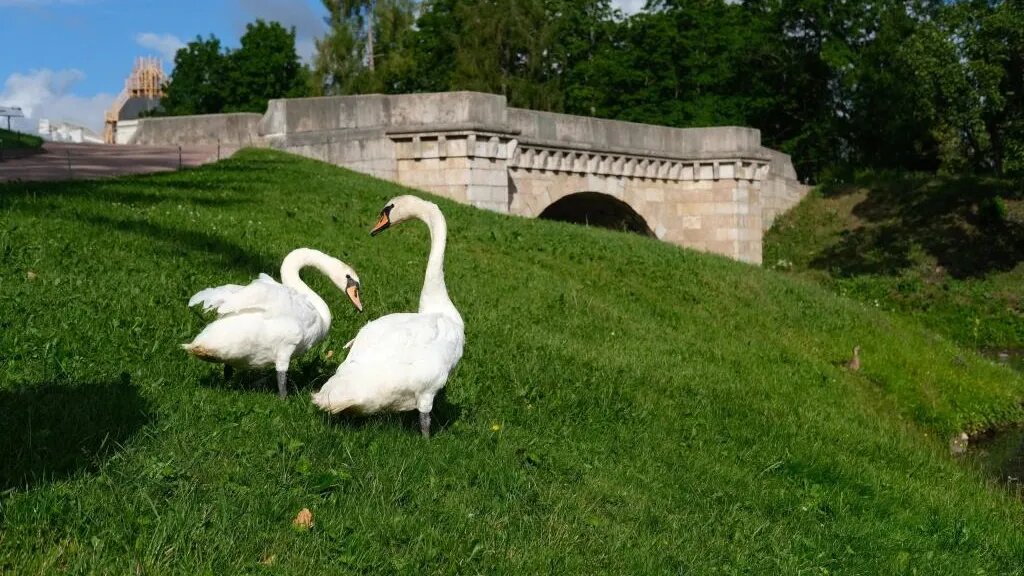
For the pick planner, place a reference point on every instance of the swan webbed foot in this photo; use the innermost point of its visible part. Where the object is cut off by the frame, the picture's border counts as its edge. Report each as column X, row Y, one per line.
column 228, row 372
column 282, row 384
column 425, row 424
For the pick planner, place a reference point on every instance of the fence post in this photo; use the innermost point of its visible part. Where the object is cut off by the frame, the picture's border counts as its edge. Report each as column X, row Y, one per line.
column 179, row 156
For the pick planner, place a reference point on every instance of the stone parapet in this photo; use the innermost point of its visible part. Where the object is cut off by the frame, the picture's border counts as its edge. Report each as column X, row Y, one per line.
column 715, row 189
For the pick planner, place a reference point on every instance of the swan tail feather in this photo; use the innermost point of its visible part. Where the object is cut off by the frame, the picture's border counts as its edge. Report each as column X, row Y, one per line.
column 200, row 352
column 333, row 403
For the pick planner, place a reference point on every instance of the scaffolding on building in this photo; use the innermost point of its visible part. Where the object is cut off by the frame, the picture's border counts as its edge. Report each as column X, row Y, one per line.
column 147, row 81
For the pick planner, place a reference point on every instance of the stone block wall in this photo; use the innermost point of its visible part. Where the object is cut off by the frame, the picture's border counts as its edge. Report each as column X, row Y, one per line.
column 209, row 129
column 702, row 206
column 714, row 189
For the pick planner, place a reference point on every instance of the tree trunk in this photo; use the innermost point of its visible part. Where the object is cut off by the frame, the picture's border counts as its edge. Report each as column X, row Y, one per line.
column 369, row 34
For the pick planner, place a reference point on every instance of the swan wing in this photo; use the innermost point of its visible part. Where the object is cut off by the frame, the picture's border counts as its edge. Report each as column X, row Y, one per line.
column 395, row 362
column 212, row 298
column 268, row 297
column 397, row 342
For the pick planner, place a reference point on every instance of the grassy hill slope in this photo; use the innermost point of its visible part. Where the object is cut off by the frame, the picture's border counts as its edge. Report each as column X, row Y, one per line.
column 948, row 251
column 18, row 140
column 623, row 406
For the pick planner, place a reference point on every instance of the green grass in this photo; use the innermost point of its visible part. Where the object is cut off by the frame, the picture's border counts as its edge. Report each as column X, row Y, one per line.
column 948, row 251
column 10, row 140
column 623, row 405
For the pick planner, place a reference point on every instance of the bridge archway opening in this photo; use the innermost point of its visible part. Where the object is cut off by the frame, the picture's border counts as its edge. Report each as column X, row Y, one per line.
column 596, row 209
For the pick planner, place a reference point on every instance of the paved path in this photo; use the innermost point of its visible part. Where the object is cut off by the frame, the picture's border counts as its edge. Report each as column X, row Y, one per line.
column 59, row 161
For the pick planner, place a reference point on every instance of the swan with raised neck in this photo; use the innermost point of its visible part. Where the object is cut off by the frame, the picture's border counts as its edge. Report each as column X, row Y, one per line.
column 434, row 295
column 401, row 361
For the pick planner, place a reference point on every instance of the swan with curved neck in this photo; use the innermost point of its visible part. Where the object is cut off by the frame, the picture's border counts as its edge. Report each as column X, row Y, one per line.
column 401, row 361
column 268, row 322
column 434, row 295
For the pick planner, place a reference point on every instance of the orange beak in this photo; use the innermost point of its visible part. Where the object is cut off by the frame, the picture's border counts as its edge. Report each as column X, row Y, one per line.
column 382, row 223
column 353, row 295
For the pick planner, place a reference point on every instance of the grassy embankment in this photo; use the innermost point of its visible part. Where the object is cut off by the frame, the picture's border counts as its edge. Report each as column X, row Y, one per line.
column 10, row 140
column 947, row 251
column 623, row 406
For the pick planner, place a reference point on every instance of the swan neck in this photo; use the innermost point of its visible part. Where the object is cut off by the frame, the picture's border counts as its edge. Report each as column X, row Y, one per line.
column 434, row 297
column 297, row 260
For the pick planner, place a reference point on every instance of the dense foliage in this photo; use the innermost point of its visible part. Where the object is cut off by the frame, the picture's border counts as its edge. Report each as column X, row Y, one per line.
column 908, row 84
column 208, row 79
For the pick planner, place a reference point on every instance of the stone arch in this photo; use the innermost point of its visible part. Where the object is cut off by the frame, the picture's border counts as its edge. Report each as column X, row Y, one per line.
column 597, row 209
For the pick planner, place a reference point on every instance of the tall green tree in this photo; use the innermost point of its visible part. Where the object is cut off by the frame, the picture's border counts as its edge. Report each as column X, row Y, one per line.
column 208, row 79
column 996, row 51
column 197, row 85
column 366, row 47
column 265, row 66
column 681, row 61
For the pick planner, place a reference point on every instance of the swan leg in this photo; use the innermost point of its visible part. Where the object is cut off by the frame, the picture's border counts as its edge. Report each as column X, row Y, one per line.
column 228, row 372
column 282, row 383
column 425, row 424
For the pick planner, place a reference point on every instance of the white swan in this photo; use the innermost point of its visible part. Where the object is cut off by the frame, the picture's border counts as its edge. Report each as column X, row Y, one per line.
column 401, row 361
column 268, row 323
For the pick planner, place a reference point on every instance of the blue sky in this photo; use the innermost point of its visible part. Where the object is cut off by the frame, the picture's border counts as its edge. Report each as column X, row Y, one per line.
column 71, row 57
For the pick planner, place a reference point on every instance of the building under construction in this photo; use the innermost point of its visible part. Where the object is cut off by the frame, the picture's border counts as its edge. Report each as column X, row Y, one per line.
column 142, row 92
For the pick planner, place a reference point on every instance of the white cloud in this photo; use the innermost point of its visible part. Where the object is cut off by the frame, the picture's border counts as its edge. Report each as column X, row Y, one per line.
column 46, row 93
column 166, row 45
column 629, row 7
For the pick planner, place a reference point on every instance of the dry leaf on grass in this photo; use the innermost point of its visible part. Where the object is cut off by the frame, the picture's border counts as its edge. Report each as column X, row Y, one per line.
column 304, row 519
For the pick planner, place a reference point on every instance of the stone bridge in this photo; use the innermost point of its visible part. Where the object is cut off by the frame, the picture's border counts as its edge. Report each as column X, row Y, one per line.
column 713, row 189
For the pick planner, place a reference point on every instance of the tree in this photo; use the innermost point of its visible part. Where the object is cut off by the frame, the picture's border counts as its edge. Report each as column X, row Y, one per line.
column 995, row 50
column 365, row 49
column 209, row 80
column 264, row 67
column 197, row 85
column 681, row 59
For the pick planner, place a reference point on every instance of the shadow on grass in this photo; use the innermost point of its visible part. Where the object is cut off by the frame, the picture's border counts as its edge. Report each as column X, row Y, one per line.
column 442, row 416
column 153, row 189
column 304, row 376
column 960, row 222
column 51, row 430
column 229, row 253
